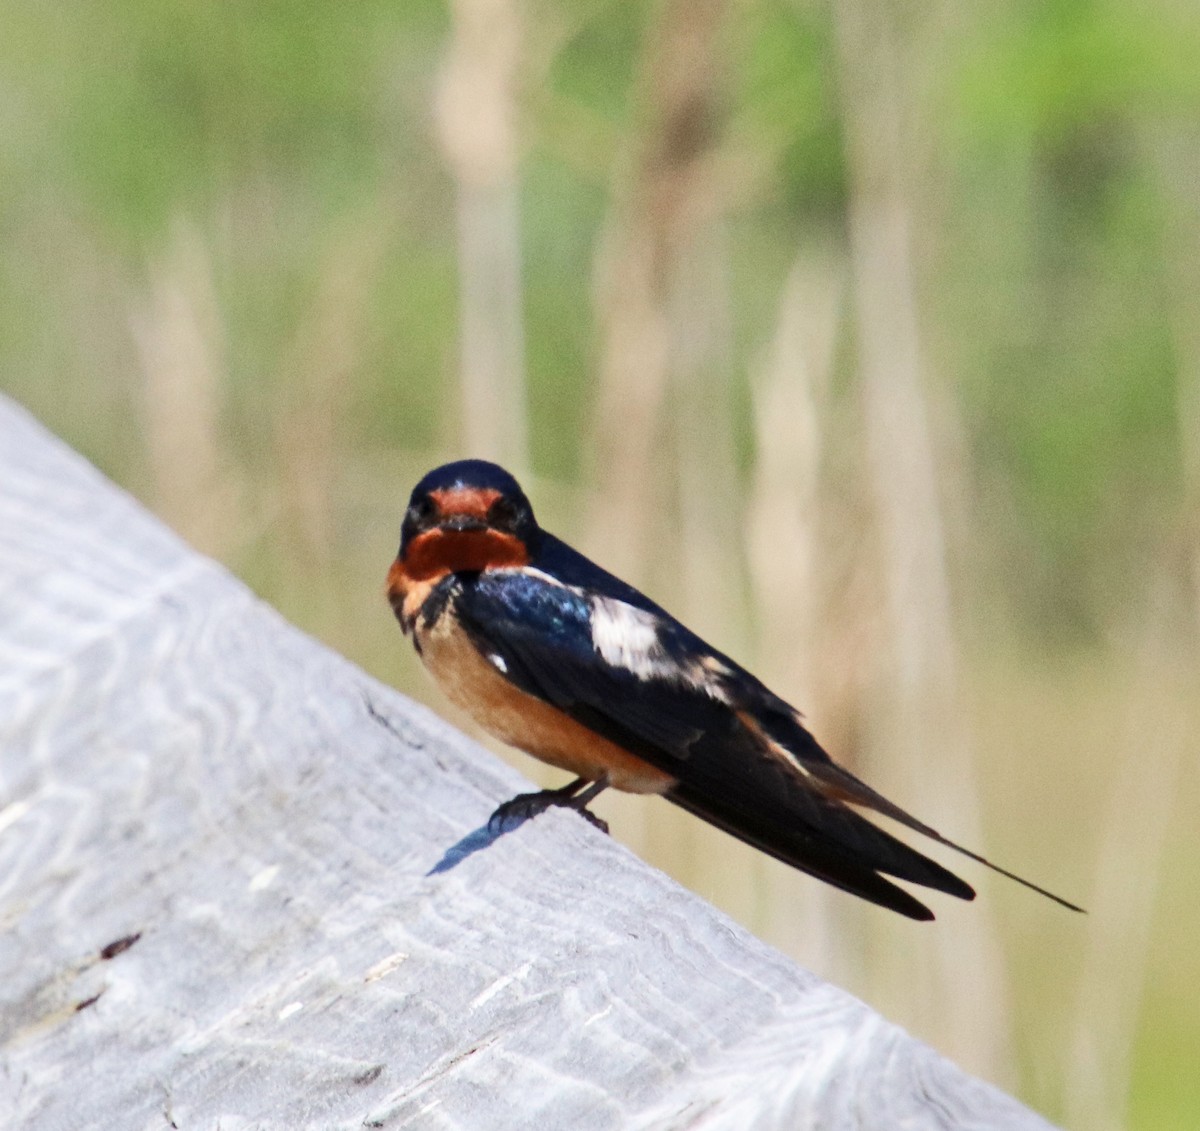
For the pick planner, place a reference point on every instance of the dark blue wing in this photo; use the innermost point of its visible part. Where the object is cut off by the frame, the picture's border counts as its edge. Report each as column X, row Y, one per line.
column 685, row 714
column 777, row 716
column 543, row 633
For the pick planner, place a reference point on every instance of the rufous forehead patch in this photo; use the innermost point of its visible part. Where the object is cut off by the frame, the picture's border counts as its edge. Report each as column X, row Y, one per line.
column 473, row 501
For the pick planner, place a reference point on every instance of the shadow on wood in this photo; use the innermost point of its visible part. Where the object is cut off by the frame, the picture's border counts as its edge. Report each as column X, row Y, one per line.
column 239, row 886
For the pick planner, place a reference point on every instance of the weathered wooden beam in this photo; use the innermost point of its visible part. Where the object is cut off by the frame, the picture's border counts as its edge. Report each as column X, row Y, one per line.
column 243, row 885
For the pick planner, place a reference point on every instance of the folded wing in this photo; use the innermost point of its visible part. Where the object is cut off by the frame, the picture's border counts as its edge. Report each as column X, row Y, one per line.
column 636, row 676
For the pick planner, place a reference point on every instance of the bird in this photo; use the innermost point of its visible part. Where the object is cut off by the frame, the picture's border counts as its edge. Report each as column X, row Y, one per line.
column 552, row 654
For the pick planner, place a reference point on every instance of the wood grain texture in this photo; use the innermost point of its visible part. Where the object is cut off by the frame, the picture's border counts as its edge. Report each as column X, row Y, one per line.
column 328, row 938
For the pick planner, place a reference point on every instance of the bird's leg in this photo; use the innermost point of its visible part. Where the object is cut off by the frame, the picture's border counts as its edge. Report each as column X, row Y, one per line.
column 580, row 801
column 526, row 805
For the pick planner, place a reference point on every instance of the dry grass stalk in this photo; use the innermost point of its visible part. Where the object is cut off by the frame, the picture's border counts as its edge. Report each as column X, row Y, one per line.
column 709, row 497
column 476, row 113
column 669, row 191
column 1129, row 866
column 953, row 986
column 651, row 344
column 178, row 332
column 317, row 375
column 789, row 390
column 1177, row 156
column 711, row 590
column 1144, row 789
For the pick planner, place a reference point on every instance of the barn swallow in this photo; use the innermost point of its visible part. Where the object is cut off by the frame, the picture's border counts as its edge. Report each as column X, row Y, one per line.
column 557, row 657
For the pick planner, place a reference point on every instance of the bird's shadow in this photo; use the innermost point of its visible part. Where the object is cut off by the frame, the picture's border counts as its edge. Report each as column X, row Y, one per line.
column 476, row 841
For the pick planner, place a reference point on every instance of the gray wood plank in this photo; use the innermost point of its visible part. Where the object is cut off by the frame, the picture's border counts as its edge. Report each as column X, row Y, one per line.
column 325, row 936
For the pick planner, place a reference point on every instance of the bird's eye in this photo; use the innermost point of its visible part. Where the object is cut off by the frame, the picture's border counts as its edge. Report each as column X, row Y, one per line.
column 504, row 513
column 423, row 510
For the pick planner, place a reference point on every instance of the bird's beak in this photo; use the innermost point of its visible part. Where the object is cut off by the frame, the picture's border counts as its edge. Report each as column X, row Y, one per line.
column 462, row 524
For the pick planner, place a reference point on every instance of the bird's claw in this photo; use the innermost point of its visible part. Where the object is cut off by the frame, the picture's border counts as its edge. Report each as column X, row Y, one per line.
column 592, row 819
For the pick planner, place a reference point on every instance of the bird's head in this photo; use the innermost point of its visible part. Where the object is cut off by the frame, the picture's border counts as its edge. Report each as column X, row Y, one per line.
column 468, row 515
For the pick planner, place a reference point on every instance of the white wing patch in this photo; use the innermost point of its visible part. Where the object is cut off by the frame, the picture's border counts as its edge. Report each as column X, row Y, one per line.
column 498, row 662
column 628, row 637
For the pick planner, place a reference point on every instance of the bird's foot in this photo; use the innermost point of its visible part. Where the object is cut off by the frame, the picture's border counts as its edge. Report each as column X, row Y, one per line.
column 521, row 808
column 526, row 805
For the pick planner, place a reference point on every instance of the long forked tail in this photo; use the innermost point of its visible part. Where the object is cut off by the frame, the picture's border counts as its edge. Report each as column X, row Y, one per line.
column 842, row 784
column 780, row 838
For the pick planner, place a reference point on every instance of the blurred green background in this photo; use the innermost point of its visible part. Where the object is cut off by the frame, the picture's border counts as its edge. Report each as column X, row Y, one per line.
column 864, row 335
